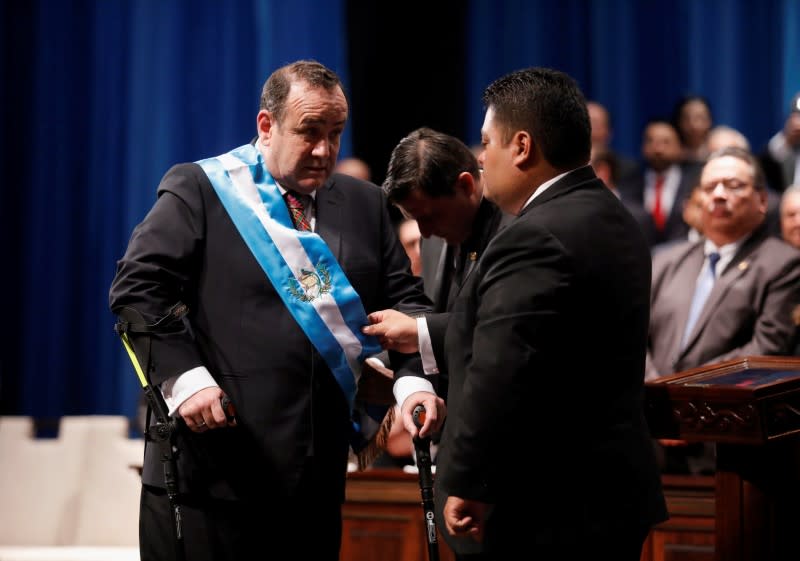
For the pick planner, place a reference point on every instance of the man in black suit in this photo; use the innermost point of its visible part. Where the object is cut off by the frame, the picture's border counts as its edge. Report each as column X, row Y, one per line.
column 606, row 167
column 276, row 292
column 546, row 347
column 434, row 178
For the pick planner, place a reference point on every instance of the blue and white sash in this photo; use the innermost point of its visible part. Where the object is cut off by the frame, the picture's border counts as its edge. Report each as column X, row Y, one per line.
column 299, row 264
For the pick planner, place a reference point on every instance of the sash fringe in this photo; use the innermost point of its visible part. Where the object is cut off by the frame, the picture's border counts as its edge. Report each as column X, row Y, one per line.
column 377, row 443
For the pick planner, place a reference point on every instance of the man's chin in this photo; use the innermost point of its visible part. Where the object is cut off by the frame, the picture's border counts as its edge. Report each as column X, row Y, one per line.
column 311, row 184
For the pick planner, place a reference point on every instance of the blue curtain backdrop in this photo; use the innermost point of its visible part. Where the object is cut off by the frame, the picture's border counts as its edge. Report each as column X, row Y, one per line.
column 638, row 57
column 99, row 98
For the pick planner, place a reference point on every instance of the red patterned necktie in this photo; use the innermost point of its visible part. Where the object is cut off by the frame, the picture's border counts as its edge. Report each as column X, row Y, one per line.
column 297, row 210
column 659, row 217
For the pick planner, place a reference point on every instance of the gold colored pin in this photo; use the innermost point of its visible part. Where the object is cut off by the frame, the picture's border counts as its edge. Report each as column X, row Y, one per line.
column 472, row 255
column 743, row 265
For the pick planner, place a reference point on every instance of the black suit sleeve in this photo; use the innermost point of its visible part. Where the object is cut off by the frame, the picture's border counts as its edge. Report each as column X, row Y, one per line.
column 160, row 264
column 437, row 326
column 523, row 282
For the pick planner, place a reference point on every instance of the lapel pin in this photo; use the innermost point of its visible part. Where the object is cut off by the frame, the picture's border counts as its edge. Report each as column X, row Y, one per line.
column 472, row 255
column 743, row 265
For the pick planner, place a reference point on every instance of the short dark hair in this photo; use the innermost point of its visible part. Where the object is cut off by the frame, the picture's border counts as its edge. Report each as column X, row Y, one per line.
column 548, row 105
column 276, row 88
column 430, row 161
column 759, row 179
column 658, row 120
column 681, row 103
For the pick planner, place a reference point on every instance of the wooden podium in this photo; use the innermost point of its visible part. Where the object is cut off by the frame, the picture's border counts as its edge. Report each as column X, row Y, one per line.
column 750, row 407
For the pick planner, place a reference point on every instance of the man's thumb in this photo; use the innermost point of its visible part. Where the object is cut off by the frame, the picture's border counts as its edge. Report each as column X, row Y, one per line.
column 375, row 317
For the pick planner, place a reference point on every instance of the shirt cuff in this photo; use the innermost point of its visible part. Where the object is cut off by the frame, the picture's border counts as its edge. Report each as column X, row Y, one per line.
column 429, row 365
column 180, row 388
column 407, row 385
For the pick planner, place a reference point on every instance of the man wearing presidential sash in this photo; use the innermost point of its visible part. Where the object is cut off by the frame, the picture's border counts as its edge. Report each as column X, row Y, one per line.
column 277, row 261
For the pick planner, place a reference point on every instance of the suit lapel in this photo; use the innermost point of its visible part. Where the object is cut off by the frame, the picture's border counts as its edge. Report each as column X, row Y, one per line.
column 733, row 272
column 686, row 275
column 330, row 222
column 718, row 292
column 469, row 266
column 487, row 222
column 434, row 258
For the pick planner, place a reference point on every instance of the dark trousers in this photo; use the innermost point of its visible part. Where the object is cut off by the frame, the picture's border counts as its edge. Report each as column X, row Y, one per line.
column 308, row 526
column 511, row 536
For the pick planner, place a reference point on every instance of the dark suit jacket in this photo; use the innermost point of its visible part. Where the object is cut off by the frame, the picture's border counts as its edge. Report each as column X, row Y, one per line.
column 675, row 227
column 644, row 219
column 488, row 220
column 747, row 313
column 545, row 350
column 288, row 403
column 434, row 255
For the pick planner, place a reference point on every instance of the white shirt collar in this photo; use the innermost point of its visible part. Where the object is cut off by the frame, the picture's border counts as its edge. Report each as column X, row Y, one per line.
column 544, row 186
column 283, row 191
column 726, row 252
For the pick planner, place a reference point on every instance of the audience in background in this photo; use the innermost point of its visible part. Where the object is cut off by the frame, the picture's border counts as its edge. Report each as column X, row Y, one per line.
column 693, row 215
column 606, row 167
column 693, row 120
column 750, row 281
column 722, row 137
column 354, row 167
column 781, row 157
column 410, row 238
column 664, row 182
column 790, row 215
column 602, row 133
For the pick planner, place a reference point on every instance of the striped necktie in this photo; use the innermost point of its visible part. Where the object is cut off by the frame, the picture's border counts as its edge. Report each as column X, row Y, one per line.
column 297, row 209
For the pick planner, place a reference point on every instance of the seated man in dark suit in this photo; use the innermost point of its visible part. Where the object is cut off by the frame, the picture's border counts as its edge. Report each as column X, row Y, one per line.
column 664, row 182
column 727, row 295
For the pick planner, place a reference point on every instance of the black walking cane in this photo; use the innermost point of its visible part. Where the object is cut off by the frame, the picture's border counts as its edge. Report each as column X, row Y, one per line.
column 422, row 446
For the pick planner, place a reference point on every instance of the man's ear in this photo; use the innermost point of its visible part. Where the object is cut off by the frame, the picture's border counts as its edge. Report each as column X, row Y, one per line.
column 465, row 183
column 763, row 201
column 524, row 148
column 264, row 123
